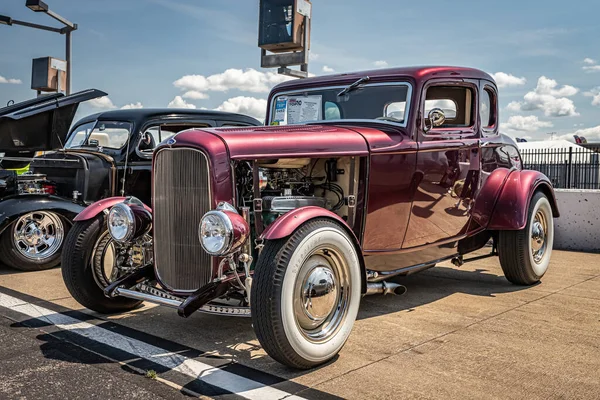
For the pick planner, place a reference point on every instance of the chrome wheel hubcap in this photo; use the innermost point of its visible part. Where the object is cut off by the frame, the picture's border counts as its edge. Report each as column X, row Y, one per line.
column 321, row 295
column 38, row 235
column 539, row 233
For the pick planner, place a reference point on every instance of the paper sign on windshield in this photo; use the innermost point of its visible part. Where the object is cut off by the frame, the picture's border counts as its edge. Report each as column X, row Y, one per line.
column 295, row 110
column 303, row 109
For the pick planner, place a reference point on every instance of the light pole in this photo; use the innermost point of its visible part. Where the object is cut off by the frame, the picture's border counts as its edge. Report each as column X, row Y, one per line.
column 40, row 6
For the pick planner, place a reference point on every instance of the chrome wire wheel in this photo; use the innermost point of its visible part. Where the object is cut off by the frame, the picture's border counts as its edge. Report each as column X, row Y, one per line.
column 322, row 294
column 539, row 234
column 104, row 260
column 39, row 235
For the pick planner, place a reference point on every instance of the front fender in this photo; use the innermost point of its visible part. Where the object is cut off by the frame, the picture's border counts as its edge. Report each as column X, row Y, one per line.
column 96, row 208
column 285, row 225
column 512, row 206
column 13, row 207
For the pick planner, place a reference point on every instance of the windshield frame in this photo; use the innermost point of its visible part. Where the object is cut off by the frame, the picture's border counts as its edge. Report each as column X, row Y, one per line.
column 96, row 122
column 301, row 91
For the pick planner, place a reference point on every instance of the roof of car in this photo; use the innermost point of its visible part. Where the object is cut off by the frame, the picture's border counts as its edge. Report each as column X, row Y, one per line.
column 419, row 73
column 151, row 113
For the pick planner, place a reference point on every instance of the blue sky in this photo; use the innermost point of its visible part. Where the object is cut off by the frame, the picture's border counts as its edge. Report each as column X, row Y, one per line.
column 159, row 52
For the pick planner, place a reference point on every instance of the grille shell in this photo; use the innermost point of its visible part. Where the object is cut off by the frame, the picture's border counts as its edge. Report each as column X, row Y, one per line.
column 181, row 196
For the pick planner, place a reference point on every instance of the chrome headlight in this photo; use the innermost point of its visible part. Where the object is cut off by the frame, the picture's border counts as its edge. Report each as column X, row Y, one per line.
column 121, row 223
column 215, row 233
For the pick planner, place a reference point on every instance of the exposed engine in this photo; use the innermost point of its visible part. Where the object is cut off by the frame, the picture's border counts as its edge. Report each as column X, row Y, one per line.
column 287, row 184
column 35, row 184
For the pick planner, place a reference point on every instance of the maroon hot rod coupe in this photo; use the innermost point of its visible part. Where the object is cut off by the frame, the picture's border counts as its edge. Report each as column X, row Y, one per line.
column 362, row 177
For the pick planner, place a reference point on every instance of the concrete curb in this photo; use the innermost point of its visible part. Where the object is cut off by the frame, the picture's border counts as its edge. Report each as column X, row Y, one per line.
column 578, row 227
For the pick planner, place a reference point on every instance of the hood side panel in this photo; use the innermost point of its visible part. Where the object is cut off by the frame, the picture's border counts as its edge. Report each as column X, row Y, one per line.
column 291, row 141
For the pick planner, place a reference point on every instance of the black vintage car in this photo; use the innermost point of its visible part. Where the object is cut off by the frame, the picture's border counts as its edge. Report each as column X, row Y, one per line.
column 103, row 155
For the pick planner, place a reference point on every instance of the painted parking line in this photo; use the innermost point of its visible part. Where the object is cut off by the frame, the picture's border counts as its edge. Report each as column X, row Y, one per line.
column 215, row 376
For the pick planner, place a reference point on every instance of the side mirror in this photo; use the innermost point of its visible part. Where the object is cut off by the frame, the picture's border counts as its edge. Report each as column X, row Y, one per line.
column 435, row 118
column 94, row 142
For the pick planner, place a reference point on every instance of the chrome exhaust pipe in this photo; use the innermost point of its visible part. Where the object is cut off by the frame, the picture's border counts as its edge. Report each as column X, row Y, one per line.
column 385, row 288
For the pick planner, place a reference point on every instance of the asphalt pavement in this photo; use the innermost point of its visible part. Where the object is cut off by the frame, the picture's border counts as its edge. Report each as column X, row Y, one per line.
column 457, row 333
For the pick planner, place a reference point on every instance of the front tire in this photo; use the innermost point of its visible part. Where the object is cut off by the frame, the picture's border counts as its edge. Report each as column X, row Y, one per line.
column 85, row 270
column 34, row 241
column 305, row 294
column 525, row 254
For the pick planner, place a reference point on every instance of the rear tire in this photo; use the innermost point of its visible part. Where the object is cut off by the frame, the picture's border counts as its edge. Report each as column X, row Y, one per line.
column 305, row 294
column 525, row 254
column 14, row 250
column 78, row 268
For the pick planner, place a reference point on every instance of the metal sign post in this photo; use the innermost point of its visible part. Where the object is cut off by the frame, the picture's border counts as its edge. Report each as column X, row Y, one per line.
column 297, row 51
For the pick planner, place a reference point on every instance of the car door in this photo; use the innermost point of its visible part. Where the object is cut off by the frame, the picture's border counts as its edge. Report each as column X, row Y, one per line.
column 447, row 171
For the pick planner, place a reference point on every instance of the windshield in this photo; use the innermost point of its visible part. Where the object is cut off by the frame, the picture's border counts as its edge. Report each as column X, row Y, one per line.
column 107, row 134
column 386, row 102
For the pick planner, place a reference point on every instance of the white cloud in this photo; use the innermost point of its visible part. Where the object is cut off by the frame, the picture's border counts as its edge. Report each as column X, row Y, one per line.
column 132, row 106
column 12, row 81
column 549, row 98
column 252, row 106
column 595, row 95
column 102, row 103
column 195, row 95
column 591, row 68
column 591, row 65
column 249, row 80
column 313, row 56
column 328, row 69
column 179, row 102
column 529, row 123
column 505, row 80
column 380, row 64
column 514, row 106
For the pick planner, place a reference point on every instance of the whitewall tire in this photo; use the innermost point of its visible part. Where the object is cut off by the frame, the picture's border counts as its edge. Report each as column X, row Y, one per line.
column 306, row 293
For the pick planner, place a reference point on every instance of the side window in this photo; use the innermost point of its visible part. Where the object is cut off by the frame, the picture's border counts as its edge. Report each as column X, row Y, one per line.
column 447, row 105
column 155, row 133
column 487, row 108
column 332, row 111
column 152, row 137
column 456, row 103
column 166, row 133
column 395, row 110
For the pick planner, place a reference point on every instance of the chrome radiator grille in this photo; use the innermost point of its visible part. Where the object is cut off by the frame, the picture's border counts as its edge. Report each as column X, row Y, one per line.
column 181, row 196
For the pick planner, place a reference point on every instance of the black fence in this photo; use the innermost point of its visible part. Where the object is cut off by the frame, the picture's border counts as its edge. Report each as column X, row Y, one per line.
column 567, row 168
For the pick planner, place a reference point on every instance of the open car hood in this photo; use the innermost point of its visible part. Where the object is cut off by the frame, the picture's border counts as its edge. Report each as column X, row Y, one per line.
column 40, row 124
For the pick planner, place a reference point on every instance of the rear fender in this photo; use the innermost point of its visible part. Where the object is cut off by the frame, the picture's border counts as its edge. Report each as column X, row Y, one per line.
column 285, row 225
column 512, row 205
column 13, row 207
column 100, row 206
